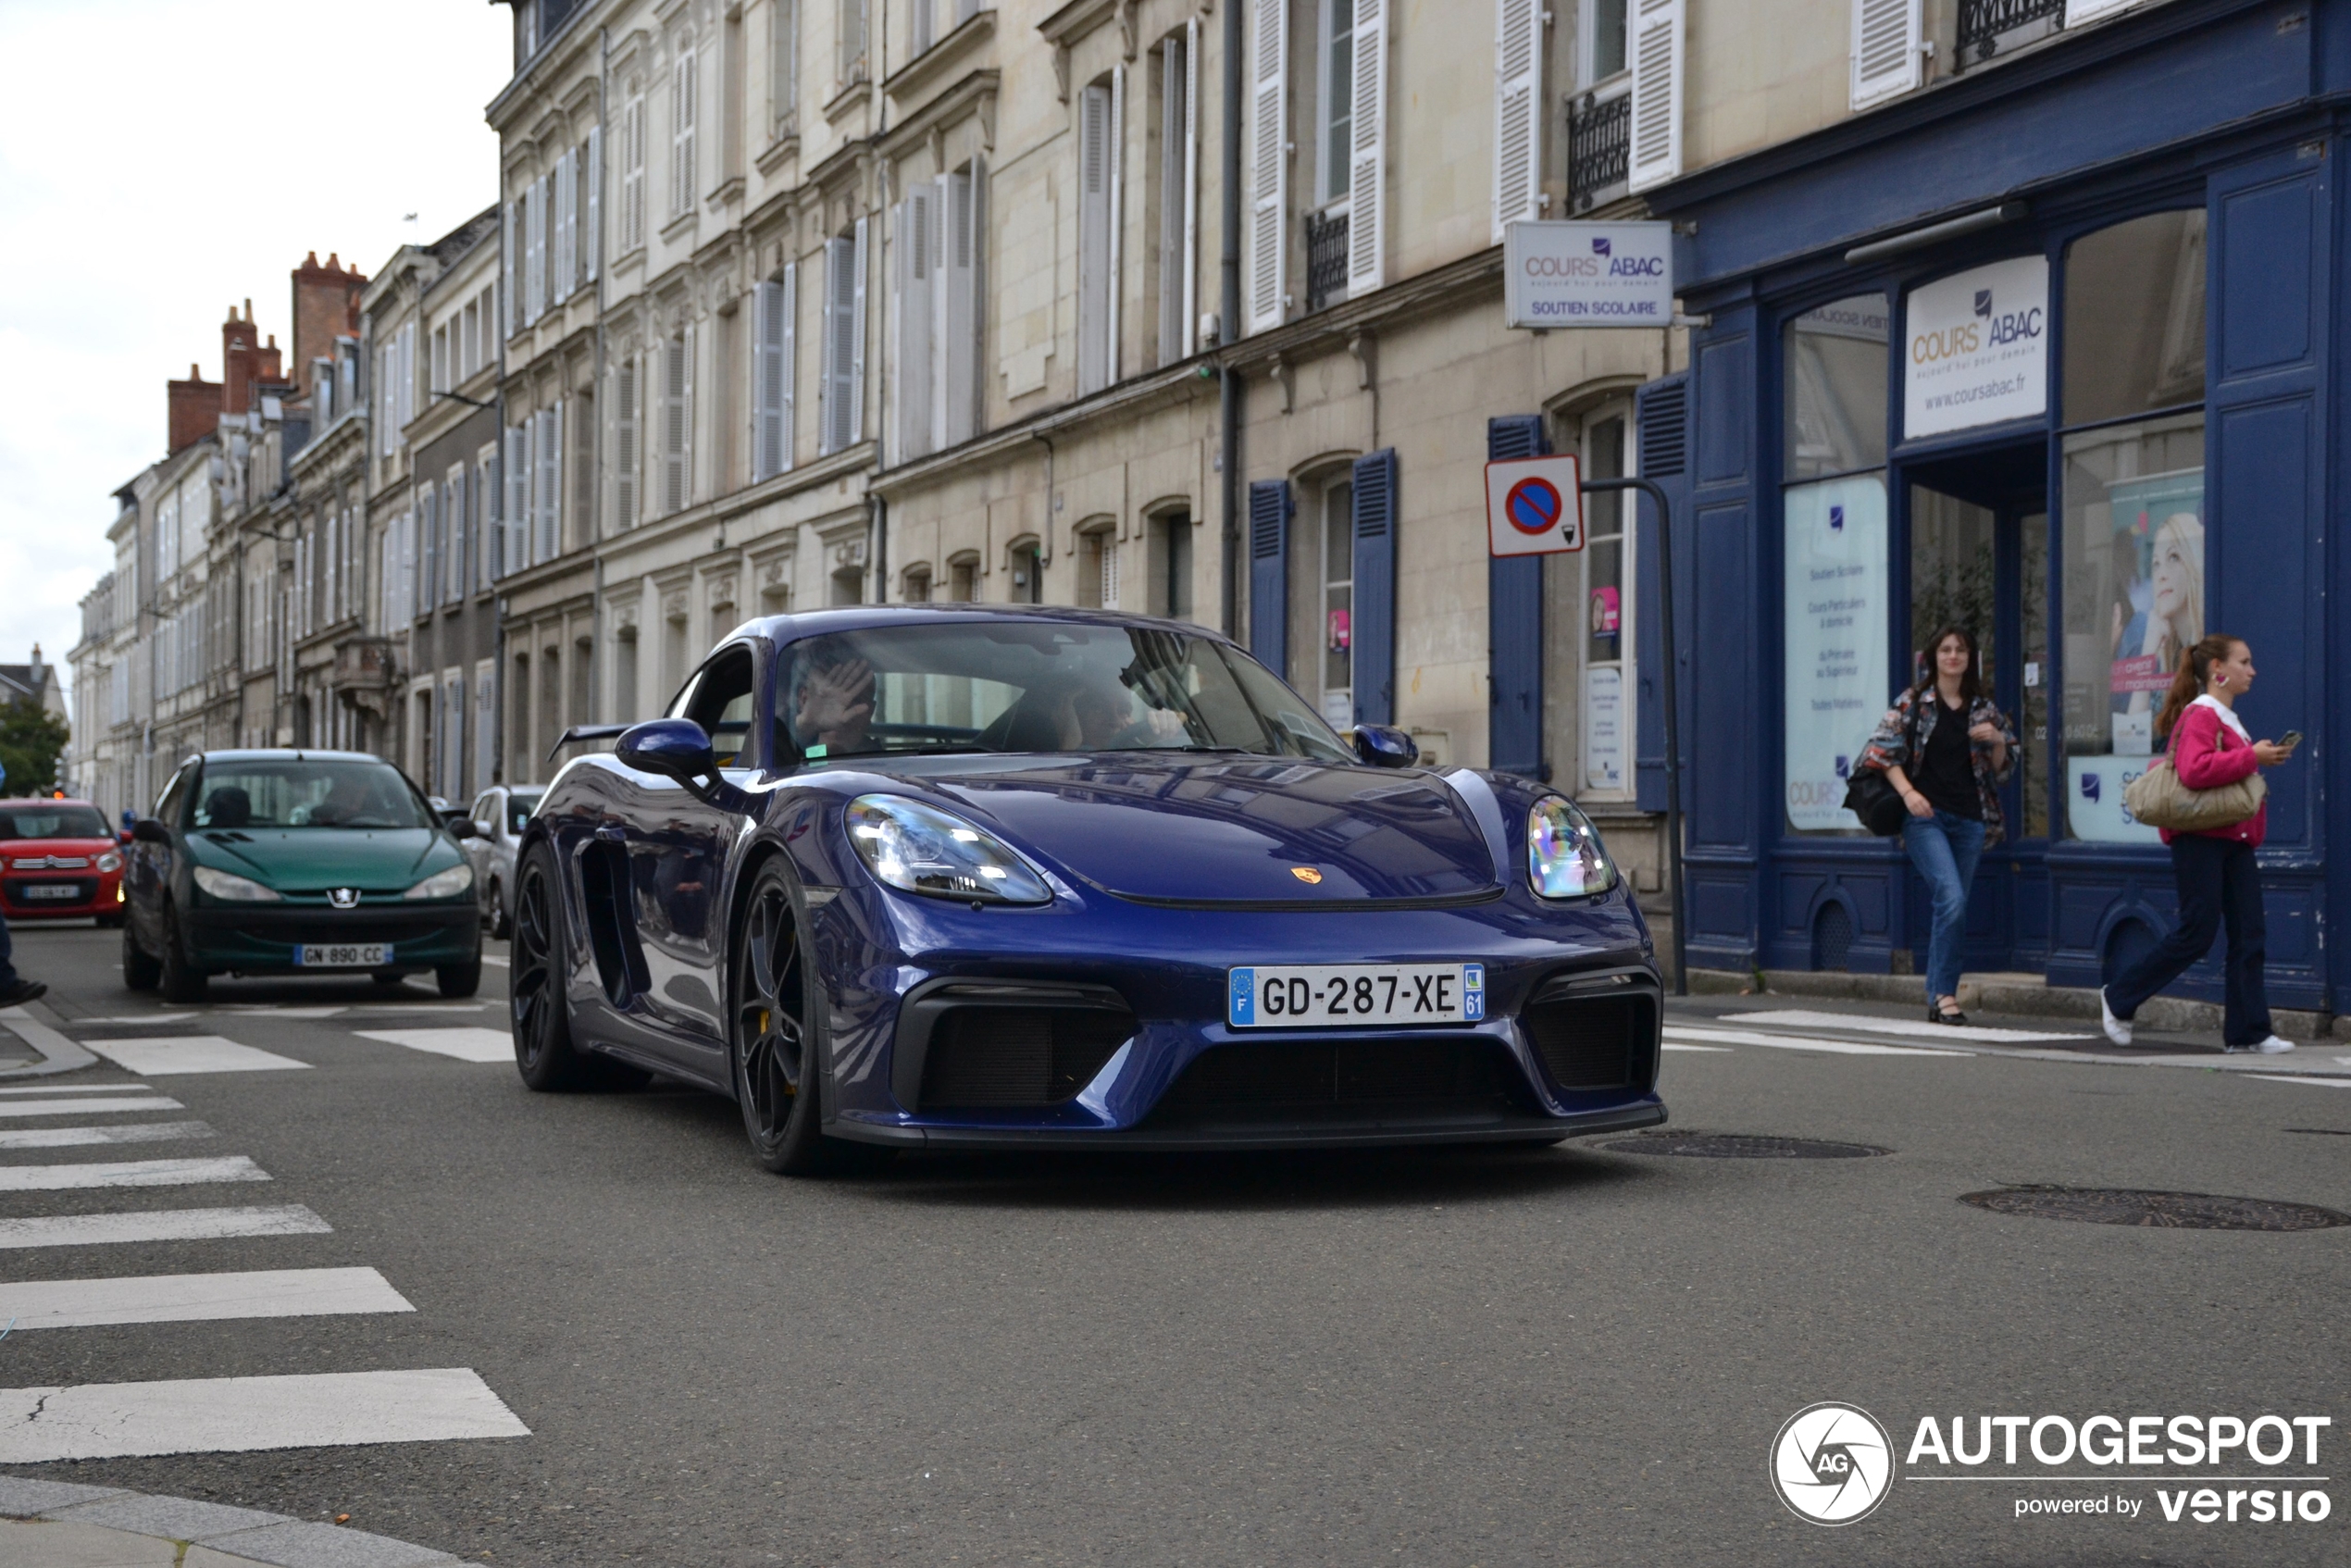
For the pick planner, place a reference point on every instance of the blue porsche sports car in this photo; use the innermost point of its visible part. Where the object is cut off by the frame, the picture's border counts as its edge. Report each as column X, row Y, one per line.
column 960, row 876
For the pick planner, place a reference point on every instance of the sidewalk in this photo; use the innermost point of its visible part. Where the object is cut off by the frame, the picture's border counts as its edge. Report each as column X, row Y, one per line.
column 55, row 1524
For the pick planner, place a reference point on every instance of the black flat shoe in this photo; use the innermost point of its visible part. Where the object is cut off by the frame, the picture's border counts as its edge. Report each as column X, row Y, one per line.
column 23, row 991
column 1939, row 1016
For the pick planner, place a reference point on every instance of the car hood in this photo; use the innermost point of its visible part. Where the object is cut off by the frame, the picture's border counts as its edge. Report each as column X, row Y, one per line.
column 309, row 860
column 1234, row 831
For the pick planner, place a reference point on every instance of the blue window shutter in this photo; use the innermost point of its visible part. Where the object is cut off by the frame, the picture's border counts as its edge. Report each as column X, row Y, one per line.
column 1269, row 514
column 1374, row 630
column 1514, row 625
column 1661, row 416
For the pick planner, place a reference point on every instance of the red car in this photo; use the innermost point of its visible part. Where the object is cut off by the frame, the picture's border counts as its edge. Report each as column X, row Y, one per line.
column 58, row 860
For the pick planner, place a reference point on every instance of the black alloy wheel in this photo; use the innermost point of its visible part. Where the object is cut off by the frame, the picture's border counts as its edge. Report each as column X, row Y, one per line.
column 544, row 1052
column 182, row 982
column 777, row 1057
column 502, row 924
column 140, row 970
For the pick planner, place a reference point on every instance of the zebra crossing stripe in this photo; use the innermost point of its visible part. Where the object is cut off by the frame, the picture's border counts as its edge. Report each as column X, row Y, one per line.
column 241, row 1414
column 466, row 1045
column 11, row 1092
column 128, row 1172
column 187, row 1297
column 162, row 1055
column 160, row 1225
column 87, row 1107
column 136, row 1132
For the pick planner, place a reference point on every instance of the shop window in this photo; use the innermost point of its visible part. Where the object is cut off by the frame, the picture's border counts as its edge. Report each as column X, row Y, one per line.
column 2134, row 553
column 2135, row 318
column 1835, row 373
column 1590, row 613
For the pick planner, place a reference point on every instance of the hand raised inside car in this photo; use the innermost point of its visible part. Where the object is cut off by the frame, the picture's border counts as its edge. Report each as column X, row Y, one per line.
column 836, row 704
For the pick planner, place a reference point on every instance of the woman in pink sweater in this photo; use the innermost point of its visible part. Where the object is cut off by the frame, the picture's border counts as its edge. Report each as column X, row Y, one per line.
column 2219, row 880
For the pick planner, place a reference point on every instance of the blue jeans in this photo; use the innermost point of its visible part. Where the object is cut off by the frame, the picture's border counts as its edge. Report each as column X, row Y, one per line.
column 1945, row 848
column 7, row 970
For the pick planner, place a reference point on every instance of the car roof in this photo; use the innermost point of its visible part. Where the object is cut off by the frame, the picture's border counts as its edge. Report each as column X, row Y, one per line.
column 290, row 754
column 860, row 617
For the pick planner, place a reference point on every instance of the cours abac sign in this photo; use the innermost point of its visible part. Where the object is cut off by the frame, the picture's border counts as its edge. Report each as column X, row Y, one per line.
column 1588, row 274
column 1534, row 506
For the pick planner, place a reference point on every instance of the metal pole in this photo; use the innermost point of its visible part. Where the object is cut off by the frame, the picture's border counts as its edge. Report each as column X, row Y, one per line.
column 1673, row 717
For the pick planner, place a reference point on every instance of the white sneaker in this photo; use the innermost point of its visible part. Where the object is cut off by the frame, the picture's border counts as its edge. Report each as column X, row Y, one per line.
column 2273, row 1046
column 2117, row 1029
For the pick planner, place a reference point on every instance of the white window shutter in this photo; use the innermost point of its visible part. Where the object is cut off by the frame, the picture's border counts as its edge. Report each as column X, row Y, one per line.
column 687, row 423
column 551, row 482
column 564, row 266
column 857, row 337
column 832, row 389
column 507, row 238
column 624, row 444
column 1518, row 113
column 407, row 374
column 632, row 173
column 767, row 398
column 788, row 361
column 1191, row 187
column 673, row 424
column 1115, row 154
column 1367, row 157
column 958, row 375
column 1656, row 154
column 1885, row 49
column 911, row 280
column 515, row 552
column 1094, row 226
column 1269, row 164
column 683, row 171
column 534, row 252
column 593, row 235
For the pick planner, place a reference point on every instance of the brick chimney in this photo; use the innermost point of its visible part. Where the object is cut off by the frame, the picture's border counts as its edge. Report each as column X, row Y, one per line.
column 196, row 408
column 326, row 305
column 239, row 360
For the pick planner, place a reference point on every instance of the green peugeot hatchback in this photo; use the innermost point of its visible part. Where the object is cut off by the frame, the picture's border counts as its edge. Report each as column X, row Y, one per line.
column 296, row 863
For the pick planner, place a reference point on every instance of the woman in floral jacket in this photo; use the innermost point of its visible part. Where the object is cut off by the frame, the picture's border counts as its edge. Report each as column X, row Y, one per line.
column 1946, row 751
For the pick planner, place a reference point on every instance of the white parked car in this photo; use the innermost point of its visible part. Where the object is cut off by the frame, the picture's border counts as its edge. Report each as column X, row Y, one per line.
column 499, row 813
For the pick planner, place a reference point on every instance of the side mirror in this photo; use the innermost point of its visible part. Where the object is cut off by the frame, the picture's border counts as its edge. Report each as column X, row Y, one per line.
column 673, row 748
column 151, row 830
column 1383, row 745
column 464, row 827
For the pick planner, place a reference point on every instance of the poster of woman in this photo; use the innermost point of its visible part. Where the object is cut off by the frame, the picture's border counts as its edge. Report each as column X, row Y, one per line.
column 2159, row 544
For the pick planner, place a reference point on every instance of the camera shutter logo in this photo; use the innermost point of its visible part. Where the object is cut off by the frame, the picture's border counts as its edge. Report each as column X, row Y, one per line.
column 1832, row 1464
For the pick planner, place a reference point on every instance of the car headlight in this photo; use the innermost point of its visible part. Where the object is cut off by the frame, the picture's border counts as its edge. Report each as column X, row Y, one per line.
column 442, row 884
column 1564, row 856
column 234, row 889
column 110, row 861
column 923, row 850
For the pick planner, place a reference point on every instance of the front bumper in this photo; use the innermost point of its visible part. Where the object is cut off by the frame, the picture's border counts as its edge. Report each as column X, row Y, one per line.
column 1401, row 1130
column 95, row 893
column 261, row 939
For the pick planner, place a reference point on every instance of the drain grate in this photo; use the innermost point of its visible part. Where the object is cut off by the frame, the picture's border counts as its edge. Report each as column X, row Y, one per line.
column 1740, row 1146
column 2180, row 1211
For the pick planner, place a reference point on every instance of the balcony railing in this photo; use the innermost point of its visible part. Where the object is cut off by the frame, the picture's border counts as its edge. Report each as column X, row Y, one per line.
column 1598, row 147
column 1325, row 259
column 1986, row 27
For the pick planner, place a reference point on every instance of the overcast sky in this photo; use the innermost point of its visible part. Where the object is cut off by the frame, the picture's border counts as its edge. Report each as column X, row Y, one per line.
column 160, row 160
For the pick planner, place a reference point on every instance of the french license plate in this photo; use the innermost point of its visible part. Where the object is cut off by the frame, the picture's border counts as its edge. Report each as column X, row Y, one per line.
column 1335, row 996
column 49, row 891
column 342, row 955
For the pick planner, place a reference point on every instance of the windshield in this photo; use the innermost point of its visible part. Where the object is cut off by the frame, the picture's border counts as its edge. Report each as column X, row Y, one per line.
column 1038, row 686
column 295, row 792
column 52, row 822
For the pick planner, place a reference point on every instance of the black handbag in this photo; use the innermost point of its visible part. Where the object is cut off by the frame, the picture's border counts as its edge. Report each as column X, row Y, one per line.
column 1871, row 796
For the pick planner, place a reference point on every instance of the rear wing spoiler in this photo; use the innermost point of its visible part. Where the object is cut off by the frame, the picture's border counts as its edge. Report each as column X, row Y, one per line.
column 585, row 732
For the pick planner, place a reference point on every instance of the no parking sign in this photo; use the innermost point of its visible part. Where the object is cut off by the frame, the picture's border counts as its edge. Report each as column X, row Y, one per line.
column 1534, row 506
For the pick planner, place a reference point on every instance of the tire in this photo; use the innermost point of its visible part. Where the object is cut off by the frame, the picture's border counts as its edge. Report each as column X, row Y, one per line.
column 182, row 982
column 140, row 970
column 775, row 1043
column 460, row 979
column 502, row 924
column 537, row 1009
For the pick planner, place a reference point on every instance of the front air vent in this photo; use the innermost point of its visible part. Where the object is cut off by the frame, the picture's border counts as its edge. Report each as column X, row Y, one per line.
column 1593, row 1039
column 1341, row 1075
column 985, row 1054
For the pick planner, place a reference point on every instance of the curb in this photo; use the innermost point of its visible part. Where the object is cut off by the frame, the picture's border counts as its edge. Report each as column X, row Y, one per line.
column 228, row 1536
column 2008, row 997
column 58, row 1054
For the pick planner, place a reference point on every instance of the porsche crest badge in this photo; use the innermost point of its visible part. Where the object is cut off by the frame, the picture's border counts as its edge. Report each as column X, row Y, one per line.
column 1306, row 874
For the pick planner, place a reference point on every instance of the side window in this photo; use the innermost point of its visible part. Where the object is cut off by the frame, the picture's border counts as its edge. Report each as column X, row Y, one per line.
column 175, row 796
column 720, row 702
column 485, row 807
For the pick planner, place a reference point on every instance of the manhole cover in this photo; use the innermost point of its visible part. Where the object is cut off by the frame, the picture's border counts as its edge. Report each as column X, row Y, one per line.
column 2183, row 1211
column 1740, row 1146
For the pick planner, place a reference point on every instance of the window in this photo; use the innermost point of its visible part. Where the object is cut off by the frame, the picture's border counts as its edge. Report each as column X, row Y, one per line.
column 534, row 255
column 853, row 41
column 514, row 542
column 922, row 22
column 486, row 515
column 843, row 392
column 1178, row 205
column 1098, row 568
column 676, row 422
column 624, row 675
column 1602, row 617
column 563, row 263
column 934, row 283
column 1097, row 205
column 1601, row 53
column 2135, row 318
column 918, row 585
column 731, row 65
column 469, row 351
column 546, row 482
column 1028, row 575
column 1172, row 565
column 684, row 74
column 624, row 442
column 783, row 65
column 1836, row 609
column 442, row 379
column 1337, row 94
column 1336, row 572
column 962, row 579
column 777, row 306
column 632, row 170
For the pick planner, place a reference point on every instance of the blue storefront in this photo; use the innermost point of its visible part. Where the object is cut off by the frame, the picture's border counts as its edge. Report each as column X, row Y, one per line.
column 2046, row 350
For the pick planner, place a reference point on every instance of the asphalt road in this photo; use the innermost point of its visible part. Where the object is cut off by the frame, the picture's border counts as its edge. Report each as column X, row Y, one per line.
column 1564, row 1356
